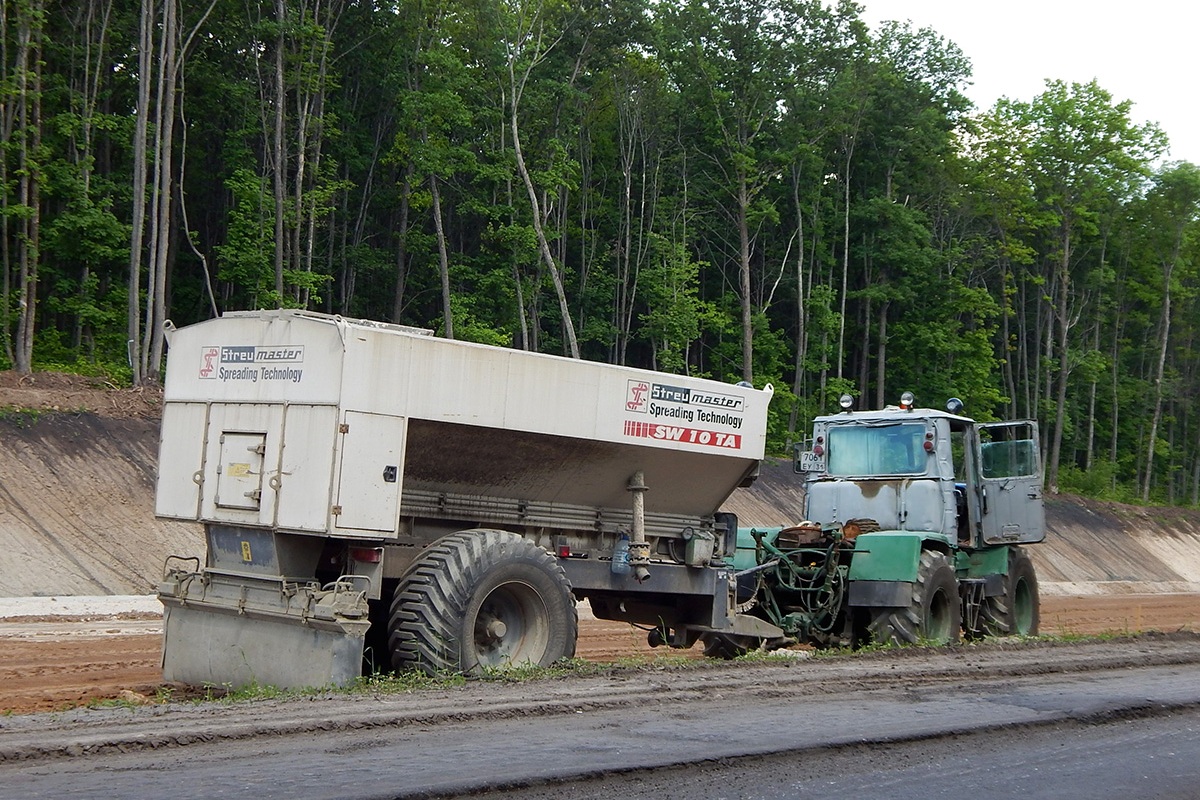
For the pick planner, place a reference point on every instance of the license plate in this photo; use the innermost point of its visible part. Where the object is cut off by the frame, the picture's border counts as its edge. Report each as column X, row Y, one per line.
column 811, row 462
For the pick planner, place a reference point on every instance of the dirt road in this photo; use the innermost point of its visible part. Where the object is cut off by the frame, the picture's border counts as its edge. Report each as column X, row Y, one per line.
column 568, row 737
column 52, row 664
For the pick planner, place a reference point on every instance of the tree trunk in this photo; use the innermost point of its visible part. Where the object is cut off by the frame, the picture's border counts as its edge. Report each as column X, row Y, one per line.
column 881, row 358
column 443, row 257
column 146, row 28
column 7, row 117
column 841, row 348
column 801, row 326
column 278, row 154
column 543, row 244
column 1064, row 327
column 29, row 124
column 1092, row 390
column 1163, row 337
column 402, row 244
column 743, row 223
column 161, row 196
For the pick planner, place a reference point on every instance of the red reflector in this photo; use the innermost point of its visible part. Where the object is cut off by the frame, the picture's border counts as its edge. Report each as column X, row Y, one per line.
column 564, row 551
column 367, row 555
column 818, row 450
column 928, row 447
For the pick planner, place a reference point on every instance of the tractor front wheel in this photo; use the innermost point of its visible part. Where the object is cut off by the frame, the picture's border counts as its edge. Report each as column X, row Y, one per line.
column 933, row 616
column 1016, row 611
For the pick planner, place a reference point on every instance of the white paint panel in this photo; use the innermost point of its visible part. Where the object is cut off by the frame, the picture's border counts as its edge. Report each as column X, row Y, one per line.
column 263, row 357
column 304, row 482
column 180, row 457
column 694, row 438
column 424, row 377
column 369, row 473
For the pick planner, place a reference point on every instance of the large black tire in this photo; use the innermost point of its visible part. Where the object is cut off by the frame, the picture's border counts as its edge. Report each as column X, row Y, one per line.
column 478, row 600
column 933, row 616
column 1017, row 610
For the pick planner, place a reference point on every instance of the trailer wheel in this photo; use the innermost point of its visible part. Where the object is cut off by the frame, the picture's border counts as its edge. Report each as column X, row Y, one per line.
column 478, row 600
column 934, row 615
column 1016, row 611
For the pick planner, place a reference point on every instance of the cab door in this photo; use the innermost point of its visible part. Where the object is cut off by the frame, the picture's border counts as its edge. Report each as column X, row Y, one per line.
column 1007, row 472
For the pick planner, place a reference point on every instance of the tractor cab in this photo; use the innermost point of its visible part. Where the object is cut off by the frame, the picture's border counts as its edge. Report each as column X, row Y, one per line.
column 924, row 470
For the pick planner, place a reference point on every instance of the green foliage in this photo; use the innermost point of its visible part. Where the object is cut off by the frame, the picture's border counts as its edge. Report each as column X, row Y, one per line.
column 697, row 168
column 246, row 260
column 675, row 312
column 470, row 328
column 1100, row 482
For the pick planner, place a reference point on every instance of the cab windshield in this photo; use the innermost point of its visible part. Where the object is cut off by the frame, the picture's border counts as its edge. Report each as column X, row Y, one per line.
column 878, row 450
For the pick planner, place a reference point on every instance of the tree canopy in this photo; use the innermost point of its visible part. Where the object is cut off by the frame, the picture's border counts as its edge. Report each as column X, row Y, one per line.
column 758, row 190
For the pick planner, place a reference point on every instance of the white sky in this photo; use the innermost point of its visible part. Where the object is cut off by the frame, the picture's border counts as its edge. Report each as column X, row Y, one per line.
column 1147, row 52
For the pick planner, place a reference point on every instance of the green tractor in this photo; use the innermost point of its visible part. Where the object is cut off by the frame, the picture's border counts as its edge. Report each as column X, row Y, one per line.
column 915, row 524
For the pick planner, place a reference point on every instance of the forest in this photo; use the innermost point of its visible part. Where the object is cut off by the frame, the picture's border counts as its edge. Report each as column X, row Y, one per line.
column 758, row 190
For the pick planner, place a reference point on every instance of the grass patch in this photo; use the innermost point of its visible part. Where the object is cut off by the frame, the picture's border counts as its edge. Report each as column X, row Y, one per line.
column 20, row 417
column 386, row 683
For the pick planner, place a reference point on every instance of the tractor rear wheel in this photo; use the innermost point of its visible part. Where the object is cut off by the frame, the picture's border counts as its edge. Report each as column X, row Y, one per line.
column 1017, row 610
column 478, row 600
column 934, row 615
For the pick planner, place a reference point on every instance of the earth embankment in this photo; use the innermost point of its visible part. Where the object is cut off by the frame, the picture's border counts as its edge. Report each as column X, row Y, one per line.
column 78, row 459
column 77, row 507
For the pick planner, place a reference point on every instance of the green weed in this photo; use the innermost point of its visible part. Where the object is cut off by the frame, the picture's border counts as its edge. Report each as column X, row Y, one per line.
column 20, row 417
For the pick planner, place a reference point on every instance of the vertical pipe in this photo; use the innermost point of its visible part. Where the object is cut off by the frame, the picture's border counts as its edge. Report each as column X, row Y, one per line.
column 639, row 548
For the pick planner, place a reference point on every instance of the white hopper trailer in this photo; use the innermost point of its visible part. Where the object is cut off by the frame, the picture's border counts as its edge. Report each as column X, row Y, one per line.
column 374, row 495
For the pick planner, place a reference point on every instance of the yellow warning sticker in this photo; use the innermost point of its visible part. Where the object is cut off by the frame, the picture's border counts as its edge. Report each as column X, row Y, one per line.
column 238, row 470
column 246, row 552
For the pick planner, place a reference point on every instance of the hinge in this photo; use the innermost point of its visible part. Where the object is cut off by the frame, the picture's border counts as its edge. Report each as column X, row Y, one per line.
column 344, row 428
column 336, row 511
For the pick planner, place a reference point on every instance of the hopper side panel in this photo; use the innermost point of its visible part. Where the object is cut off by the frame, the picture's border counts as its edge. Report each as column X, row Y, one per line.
column 458, row 382
column 476, row 460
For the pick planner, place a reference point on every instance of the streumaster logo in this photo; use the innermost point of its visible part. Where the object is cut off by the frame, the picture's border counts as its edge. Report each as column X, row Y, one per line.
column 252, row 363
column 637, row 396
column 663, row 401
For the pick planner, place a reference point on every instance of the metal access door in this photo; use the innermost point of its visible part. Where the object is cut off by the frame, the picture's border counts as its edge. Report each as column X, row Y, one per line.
column 370, row 471
column 240, row 471
column 1008, row 470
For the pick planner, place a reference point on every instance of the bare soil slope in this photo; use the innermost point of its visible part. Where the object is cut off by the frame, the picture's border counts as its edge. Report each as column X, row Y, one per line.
column 77, row 465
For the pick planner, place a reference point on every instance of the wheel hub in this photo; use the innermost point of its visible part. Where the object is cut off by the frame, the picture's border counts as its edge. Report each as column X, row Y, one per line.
column 494, row 629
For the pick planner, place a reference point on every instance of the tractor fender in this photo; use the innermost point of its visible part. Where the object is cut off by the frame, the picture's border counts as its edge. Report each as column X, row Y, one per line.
column 885, row 566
